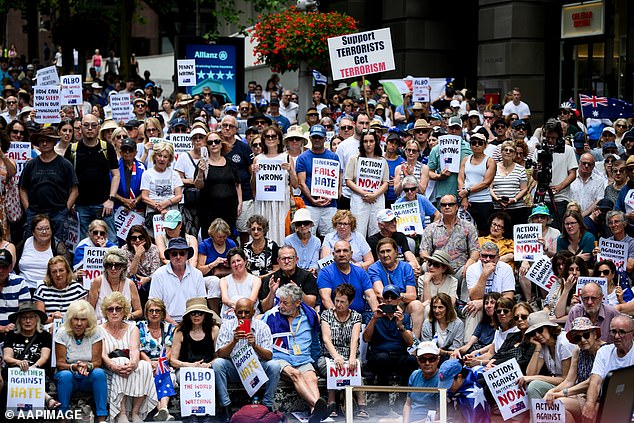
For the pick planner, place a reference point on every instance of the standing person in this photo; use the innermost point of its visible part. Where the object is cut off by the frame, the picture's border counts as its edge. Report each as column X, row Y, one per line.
column 510, row 185
column 97, row 61
column 393, row 161
column 348, row 148
column 412, row 167
column 187, row 168
column 131, row 171
column 516, row 105
column 95, row 163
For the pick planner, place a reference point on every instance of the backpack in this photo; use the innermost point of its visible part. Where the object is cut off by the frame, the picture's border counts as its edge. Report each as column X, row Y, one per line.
column 254, row 413
column 73, row 151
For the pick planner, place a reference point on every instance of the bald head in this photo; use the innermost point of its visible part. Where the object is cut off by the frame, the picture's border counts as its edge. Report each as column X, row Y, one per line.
column 244, row 308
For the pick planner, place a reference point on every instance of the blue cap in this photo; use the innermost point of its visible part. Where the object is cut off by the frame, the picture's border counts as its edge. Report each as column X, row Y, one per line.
column 149, row 84
column 179, row 244
column 231, row 109
column 391, row 289
column 178, row 122
column 609, row 144
column 518, row 122
column 448, row 371
column 318, row 131
column 435, row 116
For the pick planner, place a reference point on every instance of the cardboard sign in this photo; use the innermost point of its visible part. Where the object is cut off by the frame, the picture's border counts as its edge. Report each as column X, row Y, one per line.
column 186, row 69
column 602, row 282
column 408, row 217
column 197, row 391
column 270, row 181
column 20, row 152
column 71, row 94
column 124, row 220
column 339, row 379
column 615, row 251
column 526, row 241
column 541, row 273
column 362, row 53
column 420, row 89
column 502, row 382
column 182, row 144
column 157, row 225
column 93, row 264
column 72, row 231
column 47, row 76
column 121, row 107
column 541, row 412
column 325, row 178
column 249, row 367
column 370, row 173
column 57, row 324
column 46, row 102
column 25, row 390
column 326, row 261
column 449, row 150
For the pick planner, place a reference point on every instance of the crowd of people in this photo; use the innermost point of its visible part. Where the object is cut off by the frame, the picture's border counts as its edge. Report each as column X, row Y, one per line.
column 320, row 278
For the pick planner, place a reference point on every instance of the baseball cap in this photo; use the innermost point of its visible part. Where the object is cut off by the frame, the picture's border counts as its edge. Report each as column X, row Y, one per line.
column 139, row 91
column 391, row 289
column 172, row 219
column 149, row 84
column 449, row 369
column 318, row 131
column 518, row 122
column 605, row 204
column 455, row 121
column 198, row 131
column 609, row 129
column 132, row 123
column 5, row 257
column 129, row 143
column 385, row 215
column 454, row 103
column 427, row 347
column 474, row 113
column 231, row 108
column 609, row 144
column 178, row 122
column 579, row 139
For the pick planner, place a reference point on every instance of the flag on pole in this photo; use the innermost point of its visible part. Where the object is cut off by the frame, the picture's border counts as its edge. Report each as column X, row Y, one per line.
column 594, row 107
column 162, row 377
column 320, row 79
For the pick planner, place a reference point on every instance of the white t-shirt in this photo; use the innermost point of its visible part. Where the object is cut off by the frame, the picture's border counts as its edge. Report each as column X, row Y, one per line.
column 184, row 164
column 563, row 351
column 607, row 360
column 500, row 337
column 161, row 185
column 501, row 280
column 520, row 110
column 562, row 163
column 346, row 149
column 33, row 263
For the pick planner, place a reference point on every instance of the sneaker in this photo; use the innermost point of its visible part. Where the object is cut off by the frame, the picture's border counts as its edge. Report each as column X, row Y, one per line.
column 163, row 415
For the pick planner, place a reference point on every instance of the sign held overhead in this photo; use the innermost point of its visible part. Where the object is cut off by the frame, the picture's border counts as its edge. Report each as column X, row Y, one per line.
column 360, row 54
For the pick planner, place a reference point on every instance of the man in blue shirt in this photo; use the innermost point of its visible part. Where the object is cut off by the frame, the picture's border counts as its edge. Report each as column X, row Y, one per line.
column 418, row 404
column 274, row 114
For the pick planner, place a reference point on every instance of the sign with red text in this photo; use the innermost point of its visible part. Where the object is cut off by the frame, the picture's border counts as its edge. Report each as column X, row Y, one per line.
column 541, row 273
column 542, row 412
column 93, row 264
column 46, row 102
column 71, row 90
column 408, row 217
column 370, row 173
column 124, row 220
column 73, row 231
column 582, row 19
column 526, row 242
column 157, row 225
column 25, row 390
column 325, row 178
column 20, row 152
column 421, row 88
column 270, row 180
column 340, row 378
column 502, row 382
column 249, row 368
column 197, row 391
column 615, row 251
column 360, row 54
column 449, row 151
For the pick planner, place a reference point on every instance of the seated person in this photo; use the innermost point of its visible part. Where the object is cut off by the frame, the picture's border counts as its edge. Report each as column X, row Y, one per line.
column 97, row 237
column 345, row 225
column 386, row 219
column 418, row 404
column 460, row 383
column 443, row 327
column 305, row 243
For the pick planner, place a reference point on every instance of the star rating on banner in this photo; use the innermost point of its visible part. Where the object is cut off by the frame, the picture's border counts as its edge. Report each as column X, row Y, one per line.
column 217, row 76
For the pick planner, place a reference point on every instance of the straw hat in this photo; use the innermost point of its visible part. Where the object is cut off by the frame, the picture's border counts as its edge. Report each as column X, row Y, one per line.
column 441, row 257
column 197, row 304
column 537, row 320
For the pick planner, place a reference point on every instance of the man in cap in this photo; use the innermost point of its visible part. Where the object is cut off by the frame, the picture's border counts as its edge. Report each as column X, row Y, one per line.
column 48, row 184
column 259, row 121
column 177, row 281
column 403, row 112
column 421, row 131
column 322, row 209
column 274, row 113
column 231, row 338
column 342, row 89
column 348, row 148
column 386, row 219
column 13, row 291
column 519, row 130
column 152, row 104
column 462, row 388
column 131, row 171
column 418, row 404
column 588, row 187
column 596, row 222
column 517, row 106
column 580, row 143
column 140, row 109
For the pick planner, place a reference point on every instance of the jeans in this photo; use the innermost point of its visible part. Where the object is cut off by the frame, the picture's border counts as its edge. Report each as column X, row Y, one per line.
column 58, row 223
column 226, row 372
column 96, row 382
column 89, row 213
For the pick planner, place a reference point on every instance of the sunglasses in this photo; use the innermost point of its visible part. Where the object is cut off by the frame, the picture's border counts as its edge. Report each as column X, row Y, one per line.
column 411, row 189
column 179, row 130
column 605, row 272
column 215, row 141
column 434, row 264
column 303, row 223
column 99, row 233
column 178, row 253
column 447, row 204
column 577, row 338
column 537, row 331
column 488, row 256
column 519, row 317
column 270, row 137
column 503, row 311
column 256, row 145
column 421, row 131
column 137, row 238
column 346, row 127
column 411, row 150
column 422, row 359
column 117, row 309
column 500, row 127
column 197, row 313
column 16, row 132
column 113, row 266
column 520, row 128
column 154, row 311
column 509, row 150
column 477, row 142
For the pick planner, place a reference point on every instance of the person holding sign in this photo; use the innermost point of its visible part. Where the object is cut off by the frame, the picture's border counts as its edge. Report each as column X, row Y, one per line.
column 607, row 269
column 131, row 170
column 367, row 177
column 428, row 213
column 97, row 237
column 616, row 222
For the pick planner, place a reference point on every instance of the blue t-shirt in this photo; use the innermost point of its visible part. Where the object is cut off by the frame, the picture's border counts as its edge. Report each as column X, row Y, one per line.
column 282, row 121
column 425, row 206
column 331, row 277
column 308, row 255
column 305, row 164
column 207, row 248
column 485, row 333
column 402, row 276
column 421, row 402
column 390, row 195
column 387, row 337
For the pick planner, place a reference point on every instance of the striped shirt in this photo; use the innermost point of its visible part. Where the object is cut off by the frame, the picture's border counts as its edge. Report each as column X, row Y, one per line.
column 509, row 185
column 59, row 299
column 14, row 292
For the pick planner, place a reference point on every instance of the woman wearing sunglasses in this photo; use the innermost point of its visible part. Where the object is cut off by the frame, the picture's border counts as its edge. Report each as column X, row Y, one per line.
column 97, row 237
column 114, row 279
column 606, row 269
column 438, row 278
column 187, row 167
column 510, row 185
column 571, row 391
column 411, row 167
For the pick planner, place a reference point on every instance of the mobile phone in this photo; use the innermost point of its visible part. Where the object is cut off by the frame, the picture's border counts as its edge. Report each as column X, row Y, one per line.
column 504, row 198
column 388, row 308
column 244, row 325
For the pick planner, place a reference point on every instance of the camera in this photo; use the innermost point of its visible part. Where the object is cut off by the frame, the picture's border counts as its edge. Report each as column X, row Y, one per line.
column 543, row 165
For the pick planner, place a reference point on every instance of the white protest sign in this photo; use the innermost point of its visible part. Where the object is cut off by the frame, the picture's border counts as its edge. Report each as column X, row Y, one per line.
column 420, row 89
column 47, row 76
column 121, row 107
column 186, row 69
column 408, row 217
column 615, row 251
column 502, row 382
column 157, row 225
column 339, row 379
column 242, row 126
column 602, row 282
column 57, row 324
column 93, row 264
column 25, row 390
column 370, row 173
column 198, row 396
column 449, row 150
column 71, row 90
column 325, row 178
column 249, row 368
column 20, row 152
column 541, row 412
column 124, row 220
column 526, row 241
column 156, row 140
column 362, row 53
column 182, row 144
column 46, row 102
column 72, row 231
column 329, row 259
column 270, row 181
column 541, row 273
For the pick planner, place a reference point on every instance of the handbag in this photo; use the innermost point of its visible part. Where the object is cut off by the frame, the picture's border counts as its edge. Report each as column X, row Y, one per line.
column 119, row 353
column 12, row 206
column 191, row 195
column 252, row 413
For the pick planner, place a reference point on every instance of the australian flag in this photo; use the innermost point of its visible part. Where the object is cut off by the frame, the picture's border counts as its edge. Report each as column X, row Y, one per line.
column 162, row 378
column 594, row 107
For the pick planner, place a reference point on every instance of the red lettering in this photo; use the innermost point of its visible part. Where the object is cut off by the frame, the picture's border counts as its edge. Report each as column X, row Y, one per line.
column 528, row 248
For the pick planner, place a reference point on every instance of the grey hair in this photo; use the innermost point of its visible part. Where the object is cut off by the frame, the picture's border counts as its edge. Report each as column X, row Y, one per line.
column 38, row 327
column 613, row 213
column 291, row 291
column 409, row 179
column 117, row 255
column 490, row 246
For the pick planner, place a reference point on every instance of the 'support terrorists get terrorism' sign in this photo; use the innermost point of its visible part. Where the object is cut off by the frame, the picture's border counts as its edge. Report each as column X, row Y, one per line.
column 502, row 382
column 325, row 178
column 526, row 241
column 361, row 54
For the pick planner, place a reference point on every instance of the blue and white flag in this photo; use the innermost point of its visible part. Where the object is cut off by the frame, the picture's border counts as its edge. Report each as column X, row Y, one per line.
column 594, row 107
column 319, row 78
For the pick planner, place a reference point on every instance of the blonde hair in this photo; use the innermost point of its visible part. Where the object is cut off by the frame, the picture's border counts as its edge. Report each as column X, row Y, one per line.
column 48, row 279
column 343, row 214
column 161, row 147
column 80, row 309
column 219, row 226
column 115, row 298
column 157, row 302
column 119, row 131
column 98, row 222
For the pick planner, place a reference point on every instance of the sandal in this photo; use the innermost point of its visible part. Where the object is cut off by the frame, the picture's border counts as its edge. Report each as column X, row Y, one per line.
column 363, row 413
column 52, row 404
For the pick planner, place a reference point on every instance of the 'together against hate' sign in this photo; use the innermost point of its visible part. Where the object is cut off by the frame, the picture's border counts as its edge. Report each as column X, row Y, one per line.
column 361, row 54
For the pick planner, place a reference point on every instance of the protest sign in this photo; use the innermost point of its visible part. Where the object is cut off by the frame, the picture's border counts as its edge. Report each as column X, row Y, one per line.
column 329, row 259
column 157, row 225
column 46, row 102
column 449, row 150
column 72, row 231
column 541, row 273
column 249, row 367
column 541, row 412
column 57, row 324
column 124, row 220
column 270, row 181
column 121, row 106
column 362, row 53
column 325, row 178
column 615, row 251
column 71, row 94
column 526, row 241
column 20, row 152
column 408, row 217
column 339, row 379
column 242, row 126
column 369, row 173
column 420, row 89
column 182, row 144
column 186, row 69
column 47, row 76
column 198, row 396
column 502, row 382
column 602, row 282
column 25, row 390
column 93, row 264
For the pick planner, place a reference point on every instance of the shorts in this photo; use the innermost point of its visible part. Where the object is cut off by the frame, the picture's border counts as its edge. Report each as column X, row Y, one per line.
column 304, row 368
column 247, row 212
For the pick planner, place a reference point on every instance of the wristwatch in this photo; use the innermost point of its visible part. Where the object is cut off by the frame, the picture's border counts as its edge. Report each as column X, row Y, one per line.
column 112, row 198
